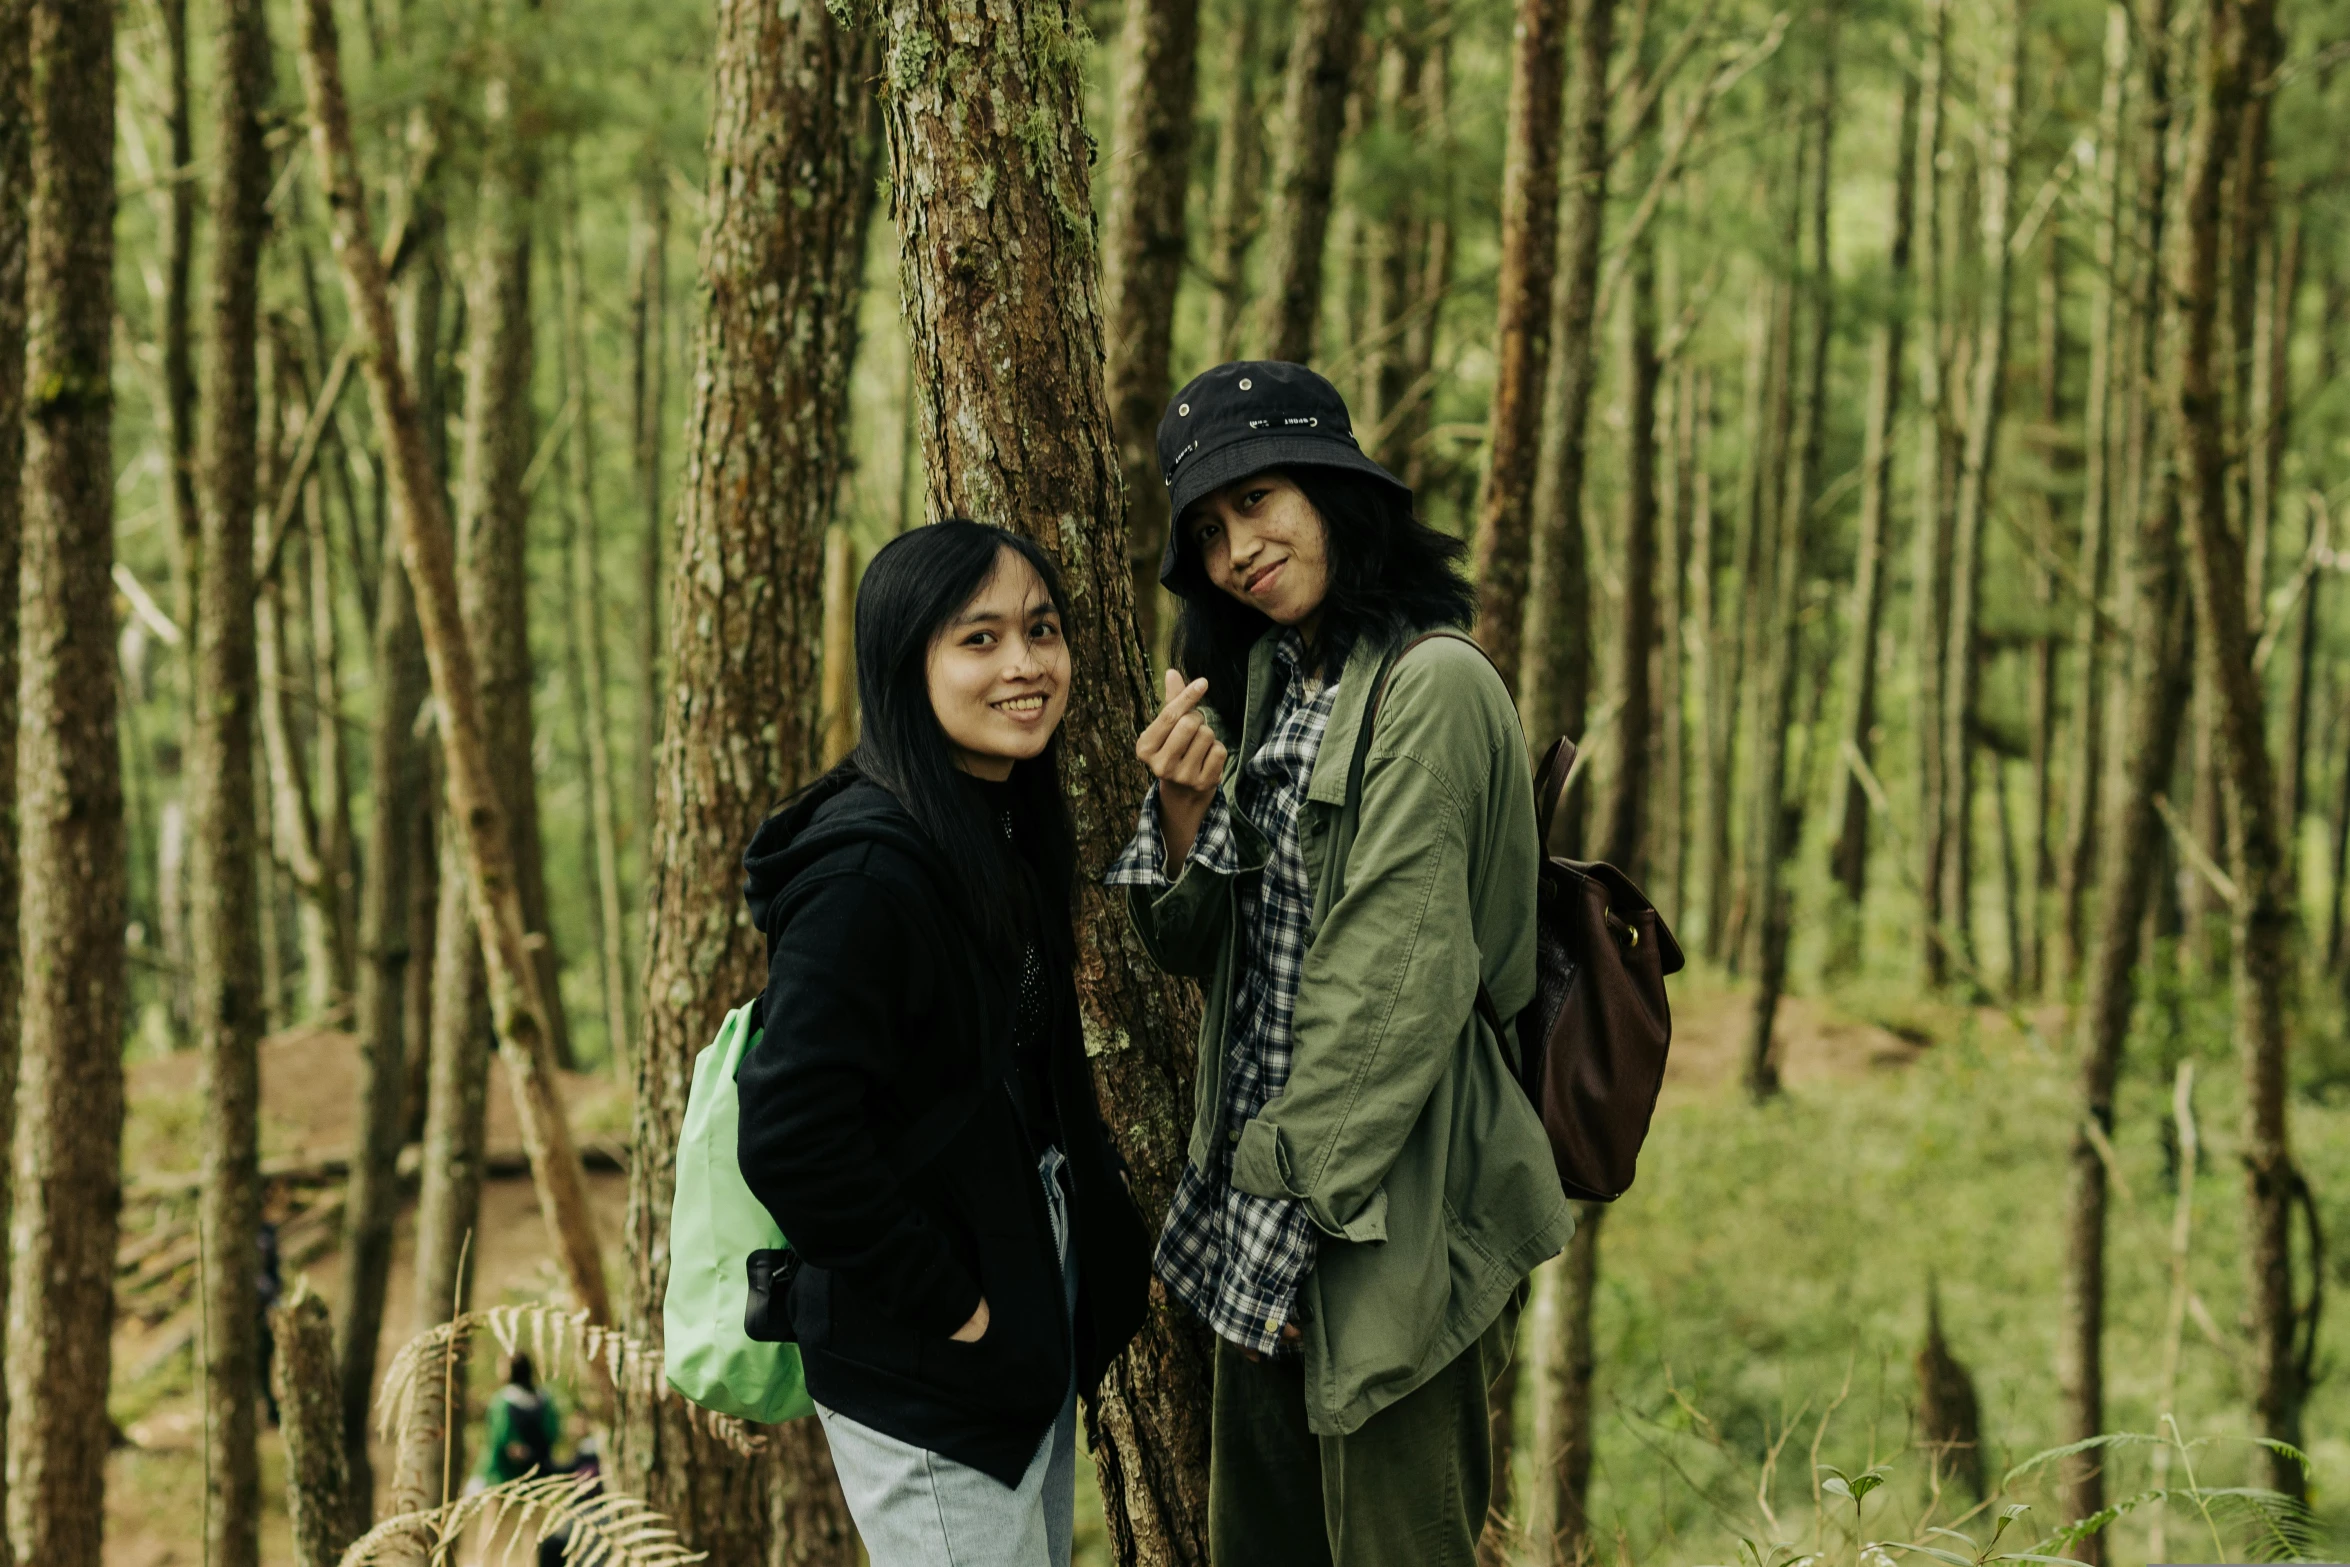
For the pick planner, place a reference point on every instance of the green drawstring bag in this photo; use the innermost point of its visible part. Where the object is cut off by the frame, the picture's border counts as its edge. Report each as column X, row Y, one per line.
column 715, row 1225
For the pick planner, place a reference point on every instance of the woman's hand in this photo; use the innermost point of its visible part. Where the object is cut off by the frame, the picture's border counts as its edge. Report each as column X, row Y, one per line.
column 976, row 1329
column 1187, row 759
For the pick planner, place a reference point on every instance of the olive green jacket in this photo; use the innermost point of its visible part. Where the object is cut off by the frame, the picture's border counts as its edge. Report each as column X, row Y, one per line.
column 1402, row 1129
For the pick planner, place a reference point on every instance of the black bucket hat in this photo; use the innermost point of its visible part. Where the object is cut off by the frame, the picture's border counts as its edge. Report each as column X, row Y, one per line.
column 1244, row 418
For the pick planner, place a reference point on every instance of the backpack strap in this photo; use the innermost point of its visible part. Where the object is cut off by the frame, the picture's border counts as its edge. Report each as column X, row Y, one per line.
column 1354, row 782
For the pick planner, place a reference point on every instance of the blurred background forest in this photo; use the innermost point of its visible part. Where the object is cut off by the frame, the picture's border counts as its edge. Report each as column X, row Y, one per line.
column 1901, row 437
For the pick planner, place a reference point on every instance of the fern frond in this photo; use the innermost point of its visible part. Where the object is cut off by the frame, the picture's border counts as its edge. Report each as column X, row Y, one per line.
column 607, row 1529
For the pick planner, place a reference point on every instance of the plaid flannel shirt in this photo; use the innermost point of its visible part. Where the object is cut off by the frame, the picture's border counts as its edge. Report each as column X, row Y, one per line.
column 1235, row 1258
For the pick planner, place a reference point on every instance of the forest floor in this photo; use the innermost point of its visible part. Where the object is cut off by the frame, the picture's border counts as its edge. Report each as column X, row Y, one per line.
column 1768, row 1258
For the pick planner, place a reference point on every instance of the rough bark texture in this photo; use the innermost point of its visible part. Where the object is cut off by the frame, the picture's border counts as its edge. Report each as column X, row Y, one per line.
column 1962, row 662
column 69, row 783
column 1006, row 333
column 318, row 1501
column 1521, row 328
column 2087, row 748
column 1930, row 575
column 648, row 382
column 1554, row 678
column 426, row 548
column 16, row 132
column 2263, row 936
column 1849, row 815
column 1623, row 831
column 227, row 945
column 1142, row 263
column 179, row 331
column 789, row 191
column 1564, row 1424
column 1322, row 58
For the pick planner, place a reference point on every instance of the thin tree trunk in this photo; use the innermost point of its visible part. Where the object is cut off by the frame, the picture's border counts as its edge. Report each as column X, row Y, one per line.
column 179, row 331
column 648, row 381
column 1322, row 57
column 220, row 798
column 2086, row 748
column 69, row 785
column 1554, row 679
column 1675, row 661
column 1407, row 425
column 837, row 711
column 1142, row 264
column 782, row 272
column 1624, row 834
column 427, row 550
column 1930, row 576
column 1233, row 190
column 1021, row 450
column 1850, row 813
column 1563, row 1425
column 1769, row 913
column 318, row 1481
column 2130, row 841
column 586, row 627
column 16, row 167
column 1962, row 668
column 493, row 508
column 1521, row 331
column 2038, row 875
column 1764, row 362
column 2263, row 935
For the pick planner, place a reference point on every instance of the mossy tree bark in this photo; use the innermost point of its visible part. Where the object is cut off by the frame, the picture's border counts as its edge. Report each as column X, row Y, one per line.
column 70, row 803
column 789, row 197
column 988, row 165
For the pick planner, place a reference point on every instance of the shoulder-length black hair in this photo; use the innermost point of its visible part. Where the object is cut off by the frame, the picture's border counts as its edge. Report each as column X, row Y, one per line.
column 913, row 590
column 1390, row 575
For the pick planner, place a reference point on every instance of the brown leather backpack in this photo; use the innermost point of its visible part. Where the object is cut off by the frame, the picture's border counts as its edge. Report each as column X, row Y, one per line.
column 1590, row 1047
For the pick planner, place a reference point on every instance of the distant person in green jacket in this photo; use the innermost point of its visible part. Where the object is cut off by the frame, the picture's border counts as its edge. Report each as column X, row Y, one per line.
column 524, row 1427
column 1367, row 1187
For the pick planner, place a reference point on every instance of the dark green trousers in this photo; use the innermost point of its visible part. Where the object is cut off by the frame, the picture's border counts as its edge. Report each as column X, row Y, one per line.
column 1408, row 1489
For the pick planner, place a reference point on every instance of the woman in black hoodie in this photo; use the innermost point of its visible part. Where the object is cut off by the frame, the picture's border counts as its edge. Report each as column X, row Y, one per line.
column 918, row 1114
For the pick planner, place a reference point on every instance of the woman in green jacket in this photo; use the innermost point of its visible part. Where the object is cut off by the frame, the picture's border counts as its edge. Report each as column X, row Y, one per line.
column 1367, row 1187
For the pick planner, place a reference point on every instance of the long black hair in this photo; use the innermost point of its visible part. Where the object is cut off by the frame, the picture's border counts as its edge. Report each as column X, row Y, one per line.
column 913, row 590
column 1390, row 575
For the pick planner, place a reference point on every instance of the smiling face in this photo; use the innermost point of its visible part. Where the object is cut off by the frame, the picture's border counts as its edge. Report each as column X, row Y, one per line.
column 1261, row 541
column 999, row 672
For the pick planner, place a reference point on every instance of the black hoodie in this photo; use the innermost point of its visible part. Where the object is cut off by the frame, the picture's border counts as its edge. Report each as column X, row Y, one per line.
column 879, row 1130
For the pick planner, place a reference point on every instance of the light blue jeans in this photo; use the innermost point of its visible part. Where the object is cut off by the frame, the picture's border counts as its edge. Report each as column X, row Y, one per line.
column 917, row 1508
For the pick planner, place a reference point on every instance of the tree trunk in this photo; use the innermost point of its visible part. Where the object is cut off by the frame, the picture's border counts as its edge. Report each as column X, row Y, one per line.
column 1623, row 833
column 1850, row 813
column 16, row 130
column 1674, row 661
column 1322, row 57
column 1233, row 191
column 333, row 990
column 227, row 942
column 1930, row 576
column 1410, row 423
column 648, row 382
column 1563, row 1424
column 1769, row 914
column 592, row 705
column 179, row 359
column 318, row 1496
column 2263, row 936
column 1521, row 331
column 1962, row 667
column 1033, row 451
column 69, row 782
column 1142, row 265
column 837, row 710
column 1554, row 678
column 2086, row 747
column 428, row 551
column 2026, row 938
column 766, row 445
column 493, row 508
column 401, row 778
